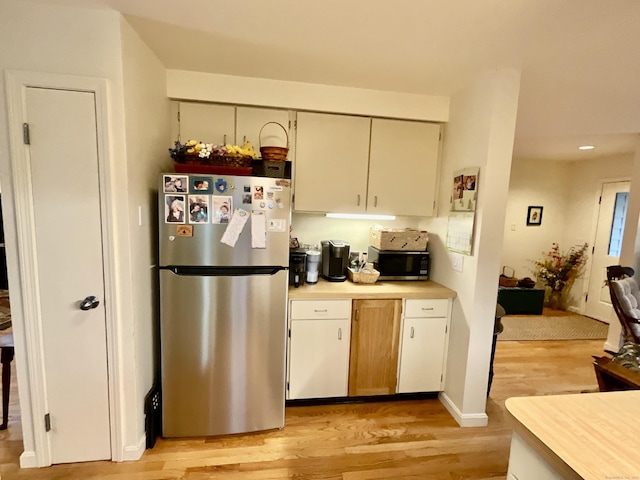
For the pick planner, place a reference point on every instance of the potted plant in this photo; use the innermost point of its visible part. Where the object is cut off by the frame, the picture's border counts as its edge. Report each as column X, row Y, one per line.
column 558, row 271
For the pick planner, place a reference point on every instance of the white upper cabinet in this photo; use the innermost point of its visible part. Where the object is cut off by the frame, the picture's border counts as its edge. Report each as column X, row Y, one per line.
column 249, row 122
column 403, row 167
column 207, row 122
column 331, row 164
column 349, row 164
column 221, row 124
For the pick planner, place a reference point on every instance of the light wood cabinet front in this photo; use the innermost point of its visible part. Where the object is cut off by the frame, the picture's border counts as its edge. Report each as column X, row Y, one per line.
column 374, row 347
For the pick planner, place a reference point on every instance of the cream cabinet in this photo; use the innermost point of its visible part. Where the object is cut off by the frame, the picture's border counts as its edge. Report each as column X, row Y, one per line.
column 350, row 164
column 206, row 122
column 221, row 124
column 250, row 120
column 403, row 166
column 425, row 324
column 319, row 340
column 332, row 162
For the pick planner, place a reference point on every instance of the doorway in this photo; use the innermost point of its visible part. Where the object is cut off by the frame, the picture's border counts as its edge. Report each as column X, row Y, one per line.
column 57, row 128
column 612, row 214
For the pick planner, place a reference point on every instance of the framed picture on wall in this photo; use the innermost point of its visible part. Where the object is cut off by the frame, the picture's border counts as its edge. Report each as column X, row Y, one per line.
column 534, row 216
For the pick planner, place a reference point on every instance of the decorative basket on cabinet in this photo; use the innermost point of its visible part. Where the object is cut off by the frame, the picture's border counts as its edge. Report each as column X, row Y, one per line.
column 277, row 154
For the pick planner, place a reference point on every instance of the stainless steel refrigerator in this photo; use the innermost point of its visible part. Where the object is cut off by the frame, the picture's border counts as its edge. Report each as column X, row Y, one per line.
column 224, row 254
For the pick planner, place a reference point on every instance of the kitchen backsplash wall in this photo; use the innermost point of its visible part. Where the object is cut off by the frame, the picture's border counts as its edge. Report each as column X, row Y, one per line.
column 312, row 228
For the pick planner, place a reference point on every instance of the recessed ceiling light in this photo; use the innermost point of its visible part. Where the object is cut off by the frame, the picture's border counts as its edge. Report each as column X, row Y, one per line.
column 586, row 147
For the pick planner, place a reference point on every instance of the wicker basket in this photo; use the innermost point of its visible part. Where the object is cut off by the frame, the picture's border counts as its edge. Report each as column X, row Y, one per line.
column 506, row 280
column 363, row 276
column 277, row 154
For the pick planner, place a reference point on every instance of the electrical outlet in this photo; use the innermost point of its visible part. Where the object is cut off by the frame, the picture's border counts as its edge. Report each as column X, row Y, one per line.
column 513, row 227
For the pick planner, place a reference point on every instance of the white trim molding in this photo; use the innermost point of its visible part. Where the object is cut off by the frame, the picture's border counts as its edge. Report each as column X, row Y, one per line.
column 33, row 401
column 463, row 419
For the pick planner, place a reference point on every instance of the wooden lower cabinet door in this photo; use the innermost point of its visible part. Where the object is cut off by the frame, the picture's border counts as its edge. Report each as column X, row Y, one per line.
column 375, row 332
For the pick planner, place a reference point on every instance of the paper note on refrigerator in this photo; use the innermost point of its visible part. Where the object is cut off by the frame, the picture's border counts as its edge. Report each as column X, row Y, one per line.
column 258, row 230
column 234, row 227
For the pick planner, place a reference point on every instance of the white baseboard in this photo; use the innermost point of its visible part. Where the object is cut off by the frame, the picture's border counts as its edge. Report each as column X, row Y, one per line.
column 463, row 419
column 132, row 453
column 28, row 460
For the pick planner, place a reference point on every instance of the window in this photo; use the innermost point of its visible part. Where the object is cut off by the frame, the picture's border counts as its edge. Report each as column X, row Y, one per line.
column 617, row 225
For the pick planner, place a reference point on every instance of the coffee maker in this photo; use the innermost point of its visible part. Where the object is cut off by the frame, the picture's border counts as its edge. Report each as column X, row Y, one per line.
column 335, row 259
column 297, row 261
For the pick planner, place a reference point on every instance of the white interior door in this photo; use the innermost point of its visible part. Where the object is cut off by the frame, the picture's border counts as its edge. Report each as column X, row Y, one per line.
column 606, row 248
column 68, row 239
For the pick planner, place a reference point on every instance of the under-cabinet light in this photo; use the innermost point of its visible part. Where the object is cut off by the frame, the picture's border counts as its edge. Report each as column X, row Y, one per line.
column 586, row 147
column 361, row 216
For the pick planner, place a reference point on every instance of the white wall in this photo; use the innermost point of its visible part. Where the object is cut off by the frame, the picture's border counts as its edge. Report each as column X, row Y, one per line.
column 312, row 229
column 569, row 193
column 304, row 96
column 534, row 183
column 480, row 133
column 70, row 41
column 147, row 130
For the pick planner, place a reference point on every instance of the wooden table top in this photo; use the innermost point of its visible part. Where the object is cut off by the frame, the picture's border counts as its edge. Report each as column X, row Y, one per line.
column 382, row 289
column 587, row 436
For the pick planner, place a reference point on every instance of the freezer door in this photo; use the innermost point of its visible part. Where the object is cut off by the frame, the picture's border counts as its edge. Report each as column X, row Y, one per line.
column 264, row 239
column 223, row 344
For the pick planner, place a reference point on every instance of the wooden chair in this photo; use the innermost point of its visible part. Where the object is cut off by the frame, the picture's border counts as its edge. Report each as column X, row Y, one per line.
column 6, row 357
column 625, row 297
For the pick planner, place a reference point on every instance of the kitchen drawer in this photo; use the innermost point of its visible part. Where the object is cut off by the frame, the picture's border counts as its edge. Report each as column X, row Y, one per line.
column 426, row 308
column 318, row 309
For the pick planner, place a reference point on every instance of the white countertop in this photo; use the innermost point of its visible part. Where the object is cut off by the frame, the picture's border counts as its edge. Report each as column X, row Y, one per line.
column 382, row 289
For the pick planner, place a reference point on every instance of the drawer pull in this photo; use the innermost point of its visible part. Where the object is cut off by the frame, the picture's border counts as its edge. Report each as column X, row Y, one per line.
column 411, row 336
column 339, row 334
column 427, row 308
column 320, row 311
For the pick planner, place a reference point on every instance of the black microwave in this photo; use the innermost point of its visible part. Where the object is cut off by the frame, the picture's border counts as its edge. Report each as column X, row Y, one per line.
column 400, row 265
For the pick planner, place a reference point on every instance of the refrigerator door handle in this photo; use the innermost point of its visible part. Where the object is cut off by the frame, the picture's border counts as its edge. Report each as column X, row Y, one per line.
column 224, row 271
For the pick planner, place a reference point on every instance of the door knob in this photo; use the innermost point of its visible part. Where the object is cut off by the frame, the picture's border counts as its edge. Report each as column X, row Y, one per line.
column 89, row 303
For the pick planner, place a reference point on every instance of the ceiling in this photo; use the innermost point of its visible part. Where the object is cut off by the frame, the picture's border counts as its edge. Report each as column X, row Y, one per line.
column 580, row 59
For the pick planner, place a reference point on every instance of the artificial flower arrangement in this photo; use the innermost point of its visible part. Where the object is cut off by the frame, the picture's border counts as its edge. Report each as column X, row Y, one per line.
column 558, row 270
column 196, row 152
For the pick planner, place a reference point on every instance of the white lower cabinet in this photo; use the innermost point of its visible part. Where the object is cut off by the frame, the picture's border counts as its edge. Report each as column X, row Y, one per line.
column 526, row 464
column 320, row 335
column 423, row 343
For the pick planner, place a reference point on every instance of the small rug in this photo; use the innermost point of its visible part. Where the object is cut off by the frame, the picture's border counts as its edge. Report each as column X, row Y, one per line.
column 557, row 326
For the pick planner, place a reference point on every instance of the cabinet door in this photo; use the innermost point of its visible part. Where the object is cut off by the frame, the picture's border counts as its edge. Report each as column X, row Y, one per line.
column 331, row 164
column 403, row 167
column 207, row 123
column 374, row 347
column 422, row 354
column 319, row 358
column 249, row 121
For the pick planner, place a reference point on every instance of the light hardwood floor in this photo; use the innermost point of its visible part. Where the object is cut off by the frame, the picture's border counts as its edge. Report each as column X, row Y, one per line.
column 414, row 439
